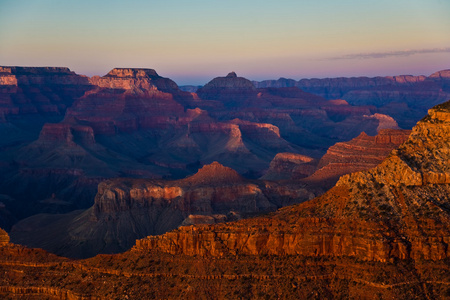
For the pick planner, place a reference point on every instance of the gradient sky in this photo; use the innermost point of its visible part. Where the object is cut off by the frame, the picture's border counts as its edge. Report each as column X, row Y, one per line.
column 193, row 41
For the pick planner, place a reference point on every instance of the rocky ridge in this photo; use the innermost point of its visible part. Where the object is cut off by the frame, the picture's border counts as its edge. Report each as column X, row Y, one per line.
column 361, row 153
column 33, row 273
column 392, row 95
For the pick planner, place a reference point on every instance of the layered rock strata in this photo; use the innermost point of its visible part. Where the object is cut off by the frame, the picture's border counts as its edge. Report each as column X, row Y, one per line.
column 290, row 166
column 45, row 91
column 382, row 232
column 405, row 97
column 127, row 209
column 4, row 238
column 398, row 210
column 361, row 153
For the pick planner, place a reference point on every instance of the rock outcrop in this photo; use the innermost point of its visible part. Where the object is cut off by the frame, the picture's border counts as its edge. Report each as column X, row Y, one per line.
column 290, row 166
column 137, row 79
column 231, row 89
column 361, row 153
column 4, row 238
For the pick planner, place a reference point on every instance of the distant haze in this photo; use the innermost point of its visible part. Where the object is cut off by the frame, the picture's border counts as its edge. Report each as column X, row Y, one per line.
column 194, row 41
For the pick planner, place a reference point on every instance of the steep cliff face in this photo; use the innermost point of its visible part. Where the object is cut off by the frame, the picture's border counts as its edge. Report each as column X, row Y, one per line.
column 136, row 79
column 118, row 129
column 36, row 274
column 398, row 210
column 4, row 238
column 361, row 153
column 290, row 166
column 40, row 75
column 43, row 91
column 128, row 209
column 126, row 100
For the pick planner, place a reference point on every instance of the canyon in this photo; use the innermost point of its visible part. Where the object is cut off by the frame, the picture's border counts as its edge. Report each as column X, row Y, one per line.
column 67, row 138
column 382, row 232
column 63, row 133
column 398, row 209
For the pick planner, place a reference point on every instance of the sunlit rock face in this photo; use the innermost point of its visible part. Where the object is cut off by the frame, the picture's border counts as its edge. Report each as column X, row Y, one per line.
column 4, row 238
column 129, row 79
column 135, row 123
column 361, row 153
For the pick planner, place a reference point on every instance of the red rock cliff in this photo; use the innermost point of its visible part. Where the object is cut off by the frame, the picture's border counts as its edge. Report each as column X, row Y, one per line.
column 361, row 153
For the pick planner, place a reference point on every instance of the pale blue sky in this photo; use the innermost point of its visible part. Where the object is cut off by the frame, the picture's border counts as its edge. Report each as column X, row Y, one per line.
column 194, row 41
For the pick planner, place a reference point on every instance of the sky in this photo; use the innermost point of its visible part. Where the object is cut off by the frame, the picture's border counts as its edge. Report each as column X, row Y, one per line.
column 194, row 41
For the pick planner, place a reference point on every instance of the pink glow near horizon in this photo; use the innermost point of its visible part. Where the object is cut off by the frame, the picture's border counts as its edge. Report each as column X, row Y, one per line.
column 193, row 42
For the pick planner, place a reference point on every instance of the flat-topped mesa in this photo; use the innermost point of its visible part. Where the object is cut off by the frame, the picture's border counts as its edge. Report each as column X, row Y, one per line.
column 45, row 91
column 4, row 238
column 67, row 133
column 35, row 70
column 133, row 73
column 214, row 173
column 263, row 129
column 228, row 88
column 136, row 79
column 443, row 74
column 40, row 75
column 384, row 121
column 406, row 79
